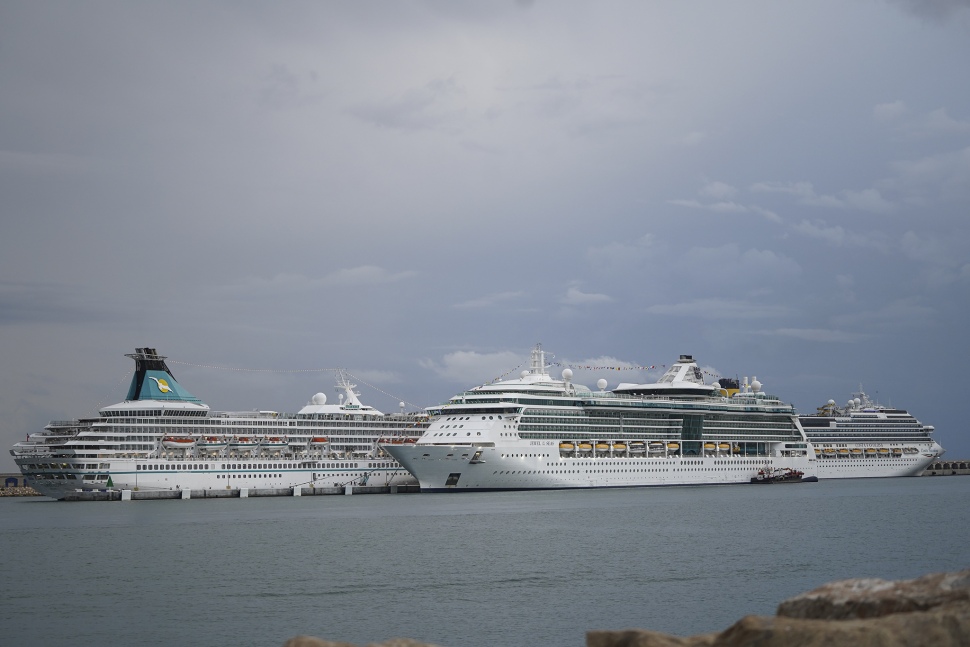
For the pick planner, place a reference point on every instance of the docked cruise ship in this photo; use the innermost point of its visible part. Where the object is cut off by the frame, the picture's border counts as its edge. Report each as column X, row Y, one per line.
column 865, row 439
column 539, row 432
column 164, row 438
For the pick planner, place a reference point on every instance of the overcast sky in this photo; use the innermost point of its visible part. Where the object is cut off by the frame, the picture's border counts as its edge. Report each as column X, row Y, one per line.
column 421, row 191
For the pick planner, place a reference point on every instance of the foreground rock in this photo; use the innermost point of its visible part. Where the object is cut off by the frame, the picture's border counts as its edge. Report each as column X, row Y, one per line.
column 932, row 610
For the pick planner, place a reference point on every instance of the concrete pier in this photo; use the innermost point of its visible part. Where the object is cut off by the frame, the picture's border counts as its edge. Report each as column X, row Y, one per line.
column 244, row 493
column 947, row 468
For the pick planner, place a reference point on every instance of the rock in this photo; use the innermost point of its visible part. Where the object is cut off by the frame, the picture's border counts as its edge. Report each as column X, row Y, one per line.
column 931, row 610
column 874, row 598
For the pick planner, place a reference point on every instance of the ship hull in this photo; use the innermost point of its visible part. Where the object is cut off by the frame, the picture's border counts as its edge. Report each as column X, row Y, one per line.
column 454, row 468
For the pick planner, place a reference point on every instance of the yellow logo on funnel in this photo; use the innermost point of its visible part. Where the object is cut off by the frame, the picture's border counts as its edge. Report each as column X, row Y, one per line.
column 162, row 384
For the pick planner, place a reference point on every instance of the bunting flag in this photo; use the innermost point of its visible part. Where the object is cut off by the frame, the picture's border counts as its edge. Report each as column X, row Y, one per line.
column 587, row 367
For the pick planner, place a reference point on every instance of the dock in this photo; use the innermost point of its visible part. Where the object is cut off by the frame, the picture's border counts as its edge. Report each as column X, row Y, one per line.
column 237, row 493
column 947, row 468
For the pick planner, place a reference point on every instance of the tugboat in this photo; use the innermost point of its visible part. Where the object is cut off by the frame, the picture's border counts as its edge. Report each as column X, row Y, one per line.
column 782, row 475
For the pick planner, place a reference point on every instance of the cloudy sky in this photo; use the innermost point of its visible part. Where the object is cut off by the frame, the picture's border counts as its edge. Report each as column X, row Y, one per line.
column 420, row 191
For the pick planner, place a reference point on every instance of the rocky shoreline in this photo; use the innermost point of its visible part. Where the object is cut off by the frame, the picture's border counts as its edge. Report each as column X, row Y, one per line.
column 19, row 491
column 930, row 610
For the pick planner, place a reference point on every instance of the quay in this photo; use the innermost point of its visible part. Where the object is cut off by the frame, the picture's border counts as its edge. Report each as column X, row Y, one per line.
column 18, row 485
column 947, row 468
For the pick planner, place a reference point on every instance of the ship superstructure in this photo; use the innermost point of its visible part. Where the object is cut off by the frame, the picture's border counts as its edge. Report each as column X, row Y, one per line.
column 163, row 437
column 865, row 439
column 540, row 432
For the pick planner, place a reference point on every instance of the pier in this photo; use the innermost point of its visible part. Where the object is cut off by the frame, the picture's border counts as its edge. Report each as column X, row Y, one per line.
column 947, row 468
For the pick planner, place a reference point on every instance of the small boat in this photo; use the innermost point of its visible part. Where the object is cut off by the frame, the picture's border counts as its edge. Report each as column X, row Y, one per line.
column 211, row 444
column 174, row 442
column 585, row 448
column 856, row 452
column 242, row 444
column 723, row 447
column 319, row 441
column 870, row 451
column 828, row 452
column 672, row 447
column 782, row 475
column 274, row 442
column 897, row 451
column 637, row 447
column 656, row 447
column 883, row 451
column 602, row 448
column 567, row 448
column 911, row 450
column 709, row 448
column 619, row 448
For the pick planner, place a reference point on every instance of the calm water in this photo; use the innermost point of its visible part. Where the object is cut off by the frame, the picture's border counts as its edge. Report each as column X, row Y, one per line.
column 459, row 570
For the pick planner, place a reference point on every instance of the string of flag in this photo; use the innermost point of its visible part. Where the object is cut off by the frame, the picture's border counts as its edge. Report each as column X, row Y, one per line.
column 293, row 370
column 588, row 367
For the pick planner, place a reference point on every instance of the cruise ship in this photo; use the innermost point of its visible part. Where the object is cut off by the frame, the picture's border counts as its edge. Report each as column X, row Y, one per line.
column 865, row 439
column 164, row 438
column 539, row 432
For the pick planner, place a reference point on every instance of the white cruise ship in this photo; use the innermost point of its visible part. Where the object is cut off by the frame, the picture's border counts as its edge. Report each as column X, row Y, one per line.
column 537, row 432
column 164, row 438
column 865, row 439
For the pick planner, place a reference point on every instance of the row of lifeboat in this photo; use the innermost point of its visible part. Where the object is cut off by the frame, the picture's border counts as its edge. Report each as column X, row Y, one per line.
column 240, row 443
column 868, row 452
column 637, row 448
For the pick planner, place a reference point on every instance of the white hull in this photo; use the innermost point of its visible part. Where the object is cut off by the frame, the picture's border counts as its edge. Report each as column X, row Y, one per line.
column 452, row 469
column 162, row 474
column 836, row 467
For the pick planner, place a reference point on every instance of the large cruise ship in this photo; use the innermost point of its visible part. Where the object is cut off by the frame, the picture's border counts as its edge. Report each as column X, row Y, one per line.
column 865, row 439
column 164, row 438
column 537, row 432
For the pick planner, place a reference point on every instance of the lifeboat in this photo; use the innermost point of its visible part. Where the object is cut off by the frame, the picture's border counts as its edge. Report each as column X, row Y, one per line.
column 828, row 451
column 317, row 441
column 897, row 451
column 843, row 452
column 856, row 452
column 602, row 448
column 723, row 447
column 672, row 447
column 273, row 443
column 566, row 448
column 174, row 442
column 709, row 448
column 637, row 447
column 656, row 447
column 585, row 448
column 883, row 451
column 212, row 444
column 619, row 448
column 243, row 444
column 911, row 450
column 870, row 451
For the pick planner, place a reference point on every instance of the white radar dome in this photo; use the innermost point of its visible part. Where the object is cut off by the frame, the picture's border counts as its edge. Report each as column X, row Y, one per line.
column 601, row 384
column 717, row 385
column 831, row 401
column 524, row 373
column 319, row 398
column 857, row 401
column 400, row 404
column 567, row 374
column 756, row 385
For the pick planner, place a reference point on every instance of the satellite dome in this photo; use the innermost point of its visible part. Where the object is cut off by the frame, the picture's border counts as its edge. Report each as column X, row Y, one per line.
column 567, row 374
column 319, row 398
column 400, row 404
column 755, row 385
column 601, row 384
column 717, row 385
column 857, row 402
column 831, row 401
column 524, row 373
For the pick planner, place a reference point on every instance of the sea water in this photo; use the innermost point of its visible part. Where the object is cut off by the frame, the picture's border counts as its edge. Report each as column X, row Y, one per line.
column 460, row 570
